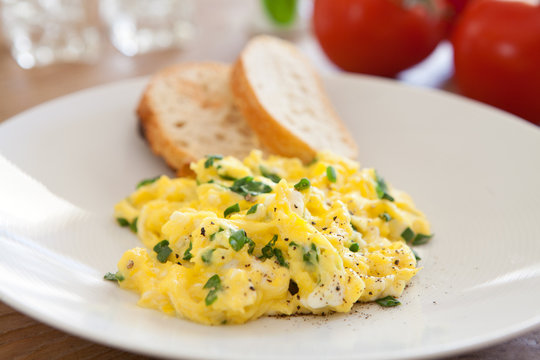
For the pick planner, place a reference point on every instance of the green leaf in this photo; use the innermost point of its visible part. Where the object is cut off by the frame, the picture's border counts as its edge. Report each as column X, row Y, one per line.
column 123, row 222
column 267, row 250
column 114, row 276
column 133, row 225
column 354, row 247
column 311, row 256
column 207, row 256
column 331, row 174
column 252, row 210
column 187, row 253
column 211, row 297
column 421, row 239
column 303, row 184
column 280, row 258
column 385, row 216
column 162, row 250
column 381, row 188
column 213, row 236
column 246, row 186
column 267, row 174
column 231, row 209
column 292, row 243
column 281, row 12
column 210, row 160
column 416, row 256
column 213, row 283
column 238, row 239
column 388, row 301
column 147, row 181
column 227, row 177
column 407, row 234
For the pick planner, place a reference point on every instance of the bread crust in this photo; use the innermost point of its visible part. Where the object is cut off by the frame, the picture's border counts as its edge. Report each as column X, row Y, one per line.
column 270, row 130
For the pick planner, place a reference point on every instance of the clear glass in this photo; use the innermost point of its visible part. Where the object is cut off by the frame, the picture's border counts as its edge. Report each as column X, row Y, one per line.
column 41, row 32
column 141, row 26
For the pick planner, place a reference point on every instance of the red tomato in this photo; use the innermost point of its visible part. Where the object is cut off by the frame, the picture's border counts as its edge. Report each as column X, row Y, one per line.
column 455, row 8
column 379, row 37
column 497, row 55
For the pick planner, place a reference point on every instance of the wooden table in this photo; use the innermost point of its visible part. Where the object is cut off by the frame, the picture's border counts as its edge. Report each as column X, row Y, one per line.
column 221, row 33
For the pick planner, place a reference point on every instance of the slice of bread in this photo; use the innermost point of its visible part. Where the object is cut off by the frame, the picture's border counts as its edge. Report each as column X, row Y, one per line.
column 282, row 98
column 187, row 111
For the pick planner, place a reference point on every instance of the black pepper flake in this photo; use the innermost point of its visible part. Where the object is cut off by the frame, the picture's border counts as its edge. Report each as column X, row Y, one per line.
column 275, row 209
column 370, row 293
column 296, row 207
column 203, row 232
column 223, row 257
column 176, row 255
column 313, row 223
column 286, row 239
column 335, row 217
column 251, row 288
column 337, row 288
column 396, row 262
column 324, row 228
column 297, row 307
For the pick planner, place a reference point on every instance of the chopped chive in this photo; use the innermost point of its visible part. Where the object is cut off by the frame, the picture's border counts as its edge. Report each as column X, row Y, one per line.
column 267, row 174
column 280, row 258
column 162, row 250
column 214, row 284
column 231, row 209
column 382, row 189
column 388, row 301
column 311, row 256
column 267, row 250
column 292, row 243
column 210, row 160
column 246, row 186
column 331, row 174
column 207, row 256
column 122, row 222
column 303, row 184
column 385, row 216
column 133, row 225
column 187, row 253
column 238, row 239
column 147, row 181
column 211, row 297
column 114, row 276
column 416, row 256
column 227, row 177
column 354, row 247
column 213, row 236
column 421, row 239
column 407, row 234
column 252, row 210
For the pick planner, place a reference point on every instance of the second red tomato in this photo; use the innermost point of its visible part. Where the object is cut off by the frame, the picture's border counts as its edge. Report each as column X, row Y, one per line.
column 378, row 37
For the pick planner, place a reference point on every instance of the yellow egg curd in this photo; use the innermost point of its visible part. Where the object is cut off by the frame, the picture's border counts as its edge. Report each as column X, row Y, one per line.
column 268, row 236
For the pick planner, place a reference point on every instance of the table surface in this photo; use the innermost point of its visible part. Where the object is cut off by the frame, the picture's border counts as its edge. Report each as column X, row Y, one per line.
column 222, row 30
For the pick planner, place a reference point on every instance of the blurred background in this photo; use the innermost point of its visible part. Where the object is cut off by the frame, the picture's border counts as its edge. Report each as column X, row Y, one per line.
column 487, row 50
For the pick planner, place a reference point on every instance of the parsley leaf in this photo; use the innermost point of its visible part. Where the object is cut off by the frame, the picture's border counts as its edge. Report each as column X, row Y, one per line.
column 210, row 160
column 388, row 301
column 122, row 222
column 187, row 253
column 162, row 250
column 303, row 184
column 267, row 174
column 407, row 234
column 231, row 209
column 147, row 181
column 246, row 186
column 114, row 276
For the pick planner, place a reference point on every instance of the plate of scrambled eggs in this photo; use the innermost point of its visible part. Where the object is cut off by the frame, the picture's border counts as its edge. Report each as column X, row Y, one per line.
column 265, row 257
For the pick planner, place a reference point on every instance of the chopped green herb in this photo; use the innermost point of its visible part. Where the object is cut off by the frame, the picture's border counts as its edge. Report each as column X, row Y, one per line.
column 133, row 225
column 213, row 236
column 214, row 284
column 114, row 276
column 187, row 253
column 388, row 301
column 303, row 184
column 207, row 256
column 331, row 174
column 227, row 177
column 416, row 256
column 251, row 246
column 292, row 243
column 354, row 227
column 210, row 160
column 238, row 239
column 122, row 222
column 354, row 247
column 246, row 186
column 163, row 251
column 211, row 181
column 252, row 210
column 385, row 216
column 382, row 189
column 267, row 250
column 231, row 209
column 407, row 234
column 279, row 257
column 267, row 174
column 311, row 256
column 421, row 239
column 147, row 181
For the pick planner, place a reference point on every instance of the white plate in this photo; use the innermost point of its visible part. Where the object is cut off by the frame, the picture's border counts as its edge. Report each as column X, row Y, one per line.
column 474, row 171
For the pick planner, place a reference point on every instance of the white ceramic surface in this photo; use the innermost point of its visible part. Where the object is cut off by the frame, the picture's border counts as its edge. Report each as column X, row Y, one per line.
column 474, row 171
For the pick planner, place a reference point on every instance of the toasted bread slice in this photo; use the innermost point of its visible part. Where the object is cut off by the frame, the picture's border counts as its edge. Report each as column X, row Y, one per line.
column 187, row 111
column 282, row 98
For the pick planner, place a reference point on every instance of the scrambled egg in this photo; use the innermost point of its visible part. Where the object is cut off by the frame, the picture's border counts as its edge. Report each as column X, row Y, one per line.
column 268, row 236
